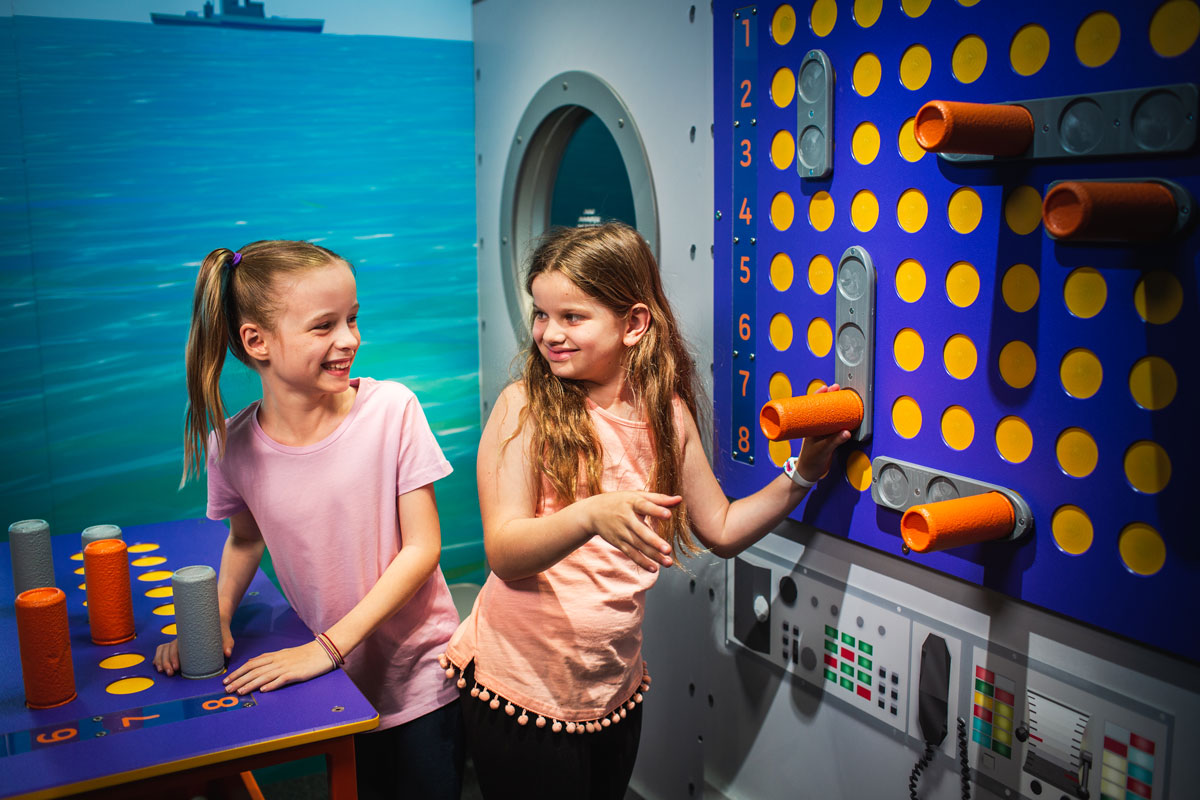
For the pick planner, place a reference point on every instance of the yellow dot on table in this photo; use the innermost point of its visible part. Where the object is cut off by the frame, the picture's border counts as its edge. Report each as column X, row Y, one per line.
column 915, row 67
column 906, row 417
column 958, row 429
column 866, row 12
column 814, row 385
column 969, row 59
column 820, row 211
column 122, row 661
column 129, row 686
column 1142, row 548
column 965, row 210
column 781, row 331
column 858, row 470
column 1029, row 50
column 779, row 386
column 907, row 141
column 912, row 210
column 166, row 610
column 867, row 74
column 77, row 557
column 1085, row 292
column 1014, row 440
column 1020, row 287
column 909, row 349
column 1023, row 210
column 1152, row 383
column 823, row 17
column 960, row 356
column 864, row 144
column 783, row 149
column 962, row 284
column 79, row 571
column 1097, row 38
column 779, row 452
column 1077, row 452
column 783, row 24
column 155, row 575
column 1081, row 373
column 910, row 280
column 148, row 561
column 160, row 591
column 820, row 337
column 142, row 547
column 1174, row 27
column 783, row 211
column 783, row 87
column 1158, row 297
column 1018, row 364
column 864, row 211
column 169, row 630
column 820, row 274
column 1147, row 467
column 782, row 272
column 1073, row 532
column 915, row 8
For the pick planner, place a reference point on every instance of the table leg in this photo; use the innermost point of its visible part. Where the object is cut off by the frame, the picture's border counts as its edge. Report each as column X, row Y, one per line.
column 339, row 763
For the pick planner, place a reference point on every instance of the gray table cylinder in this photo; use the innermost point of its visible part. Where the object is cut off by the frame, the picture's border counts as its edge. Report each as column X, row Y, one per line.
column 29, row 548
column 198, row 622
column 94, row 532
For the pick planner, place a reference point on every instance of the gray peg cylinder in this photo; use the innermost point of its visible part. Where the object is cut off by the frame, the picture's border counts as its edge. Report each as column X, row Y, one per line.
column 198, row 622
column 32, row 561
column 94, row 532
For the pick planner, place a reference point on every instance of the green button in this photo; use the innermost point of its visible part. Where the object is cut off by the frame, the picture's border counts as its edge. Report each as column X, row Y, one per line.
column 864, row 662
column 831, row 631
column 1002, row 749
column 848, row 669
column 983, row 687
column 831, row 646
column 866, row 648
column 865, row 677
column 848, row 639
column 848, row 684
column 830, row 675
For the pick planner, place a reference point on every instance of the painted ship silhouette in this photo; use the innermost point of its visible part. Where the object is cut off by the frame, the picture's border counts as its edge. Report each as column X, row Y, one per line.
column 236, row 14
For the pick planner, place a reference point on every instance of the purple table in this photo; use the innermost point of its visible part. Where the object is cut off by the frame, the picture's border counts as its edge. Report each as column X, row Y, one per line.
column 161, row 732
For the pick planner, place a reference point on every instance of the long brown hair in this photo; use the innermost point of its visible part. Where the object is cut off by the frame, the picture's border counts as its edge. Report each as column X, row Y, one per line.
column 228, row 295
column 613, row 264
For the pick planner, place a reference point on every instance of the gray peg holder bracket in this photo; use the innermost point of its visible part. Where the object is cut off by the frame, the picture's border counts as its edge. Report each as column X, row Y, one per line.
column 854, row 334
column 814, row 116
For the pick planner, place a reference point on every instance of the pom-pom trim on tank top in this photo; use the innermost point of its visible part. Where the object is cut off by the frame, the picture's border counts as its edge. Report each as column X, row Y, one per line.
column 494, row 702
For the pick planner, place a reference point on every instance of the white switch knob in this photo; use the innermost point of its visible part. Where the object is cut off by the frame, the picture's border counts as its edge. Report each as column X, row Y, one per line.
column 762, row 609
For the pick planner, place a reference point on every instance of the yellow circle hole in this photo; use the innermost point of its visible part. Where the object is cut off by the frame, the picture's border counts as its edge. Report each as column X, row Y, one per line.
column 1018, row 364
column 962, row 284
column 782, row 272
column 1020, row 287
column 969, row 59
column 1152, row 383
column 820, row 274
column 1085, row 292
column 1142, row 548
column 1023, row 210
column 781, row 331
column 77, row 556
column 783, row 24
column 1174, row 27
column 909, row 349
column 1097, row 39
column 160, row 591
column 1029, row 50
column 1014, row 440
column 915, row 66
column 1158, row 297
column 155, row 575
column 169, row 630
column 1073, row 532
column 148, row 561
column 83, row 587
column 910, row 280
column 1147, row 467
column 166, row 610
column 779, row 387
column 864, row 145
column 960, row 356
column 823, row 17
column 858, row 470
column 820, row 337
column 79, row 571
column 813, row 385
column 783, row 87
column 915, row 8
column 142, row 547
column 1081, row 373
column 783, row 211
column 122, row 661
column 912, row 210
column 906, row 417
column 866, row 12
column 864, row 211
column 1077, row 452
column 906, row 142
column 129, row 686
column 779, row 452
column 867, row 74
column 965, row 210
column 820, row 211
column 958, row 429
column 783, row 149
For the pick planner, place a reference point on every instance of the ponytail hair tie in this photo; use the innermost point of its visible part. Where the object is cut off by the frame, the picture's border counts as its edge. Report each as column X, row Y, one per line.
column 236, row 258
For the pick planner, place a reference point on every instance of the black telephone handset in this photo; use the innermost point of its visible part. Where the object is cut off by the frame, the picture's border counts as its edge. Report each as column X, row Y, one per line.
column 933, row 705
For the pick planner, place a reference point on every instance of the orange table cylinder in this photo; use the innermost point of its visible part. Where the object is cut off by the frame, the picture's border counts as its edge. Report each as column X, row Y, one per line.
column 954, row 523
column 109, row 597
column 45, row 642
column 1109, row 211
column 978, row 128
column 811, row 415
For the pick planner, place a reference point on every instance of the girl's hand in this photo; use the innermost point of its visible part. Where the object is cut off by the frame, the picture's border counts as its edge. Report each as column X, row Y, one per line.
column 166, row 657
column 816, row 452
column 279, row 668
column 621, row 519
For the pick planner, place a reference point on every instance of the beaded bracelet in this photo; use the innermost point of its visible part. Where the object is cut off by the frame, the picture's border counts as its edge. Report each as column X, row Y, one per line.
column 789, row 469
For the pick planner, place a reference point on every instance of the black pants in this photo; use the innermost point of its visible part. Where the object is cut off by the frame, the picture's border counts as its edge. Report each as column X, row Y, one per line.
column 532, row 763
column 421, row 759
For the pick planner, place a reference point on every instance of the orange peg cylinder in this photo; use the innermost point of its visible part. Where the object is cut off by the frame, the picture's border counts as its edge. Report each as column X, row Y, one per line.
column 109, row 597
column 977, row 128
column 1109, row 211
column 811, row 415
column 45, row 643
column 954, row 523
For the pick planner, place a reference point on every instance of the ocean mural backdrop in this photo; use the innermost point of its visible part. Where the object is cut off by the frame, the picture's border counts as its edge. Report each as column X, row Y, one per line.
column 130, row 150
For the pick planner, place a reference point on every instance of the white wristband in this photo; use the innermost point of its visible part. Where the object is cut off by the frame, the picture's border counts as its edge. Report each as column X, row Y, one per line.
column 789, row 469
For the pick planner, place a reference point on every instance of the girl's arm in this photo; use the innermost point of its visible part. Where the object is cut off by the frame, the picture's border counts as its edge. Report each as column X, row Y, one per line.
column 729, row 528
column 519, row 544
column 408, row 572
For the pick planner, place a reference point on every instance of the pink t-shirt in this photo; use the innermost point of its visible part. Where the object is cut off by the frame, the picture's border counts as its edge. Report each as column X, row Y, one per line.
column 327, row 512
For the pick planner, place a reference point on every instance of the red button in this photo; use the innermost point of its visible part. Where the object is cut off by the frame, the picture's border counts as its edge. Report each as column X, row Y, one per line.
column 864, row 692
column 848, row 654
column 1005, row 697
column 1113, row 746
column 831, row 661
column 1145, row 745
column 985, row 674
